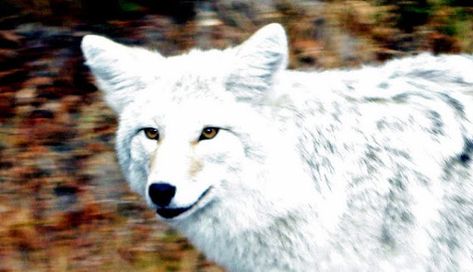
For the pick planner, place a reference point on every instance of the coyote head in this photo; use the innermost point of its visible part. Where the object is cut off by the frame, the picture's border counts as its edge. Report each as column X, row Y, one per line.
column 195, row 132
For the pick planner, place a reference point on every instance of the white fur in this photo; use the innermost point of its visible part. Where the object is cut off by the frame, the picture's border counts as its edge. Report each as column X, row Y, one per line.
column 360, row 170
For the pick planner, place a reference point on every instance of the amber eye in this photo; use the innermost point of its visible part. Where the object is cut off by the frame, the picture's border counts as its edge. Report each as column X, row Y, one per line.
column 151, row 133
column 208, row 133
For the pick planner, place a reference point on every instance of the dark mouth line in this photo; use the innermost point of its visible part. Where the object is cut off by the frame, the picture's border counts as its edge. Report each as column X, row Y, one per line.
column 169, row 213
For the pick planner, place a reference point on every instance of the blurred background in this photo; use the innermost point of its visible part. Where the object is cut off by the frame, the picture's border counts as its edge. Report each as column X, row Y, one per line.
column 64, row 205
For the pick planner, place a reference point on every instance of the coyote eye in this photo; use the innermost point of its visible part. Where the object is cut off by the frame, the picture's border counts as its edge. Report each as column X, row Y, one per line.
column 208, row 133
column 151, row 133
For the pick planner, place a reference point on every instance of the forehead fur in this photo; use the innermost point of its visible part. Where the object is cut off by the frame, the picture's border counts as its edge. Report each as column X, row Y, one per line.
column 192, row 75
column 203, row 63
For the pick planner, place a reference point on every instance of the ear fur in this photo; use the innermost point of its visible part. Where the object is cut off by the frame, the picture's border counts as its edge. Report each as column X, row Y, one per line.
column 258, row 59
column 119, row 70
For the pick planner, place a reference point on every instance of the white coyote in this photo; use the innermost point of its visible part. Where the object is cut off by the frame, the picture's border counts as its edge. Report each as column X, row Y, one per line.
column 267, row 169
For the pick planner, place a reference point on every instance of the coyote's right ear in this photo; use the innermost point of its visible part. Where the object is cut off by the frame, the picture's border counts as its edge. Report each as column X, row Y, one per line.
column 119, row 70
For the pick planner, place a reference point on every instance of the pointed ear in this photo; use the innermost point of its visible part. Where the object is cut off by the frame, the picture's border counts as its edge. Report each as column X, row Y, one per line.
column 120, row 71
column 258, row 59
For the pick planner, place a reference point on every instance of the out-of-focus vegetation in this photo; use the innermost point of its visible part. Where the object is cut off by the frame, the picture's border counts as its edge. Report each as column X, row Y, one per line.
column 64, row 205
column 350, row 31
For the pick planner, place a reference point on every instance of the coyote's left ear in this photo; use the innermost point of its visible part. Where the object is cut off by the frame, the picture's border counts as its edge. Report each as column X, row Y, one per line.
column 120, row 71
column 258, row 59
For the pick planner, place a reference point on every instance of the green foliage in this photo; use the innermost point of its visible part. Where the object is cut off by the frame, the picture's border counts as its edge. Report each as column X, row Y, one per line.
column 129, row 6
column 410, row 14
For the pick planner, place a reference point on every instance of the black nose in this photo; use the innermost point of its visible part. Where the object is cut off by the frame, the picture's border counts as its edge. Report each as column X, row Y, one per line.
column 161, row 193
